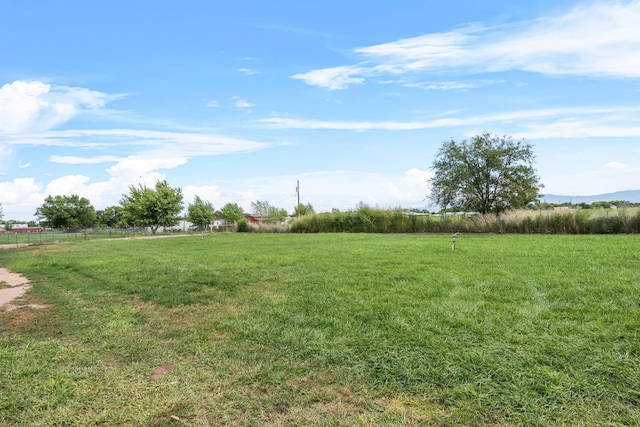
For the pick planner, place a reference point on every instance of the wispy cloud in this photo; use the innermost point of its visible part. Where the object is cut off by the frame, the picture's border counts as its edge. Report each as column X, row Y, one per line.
column 594, row 39
column 532, row 124
column 247, row 71
column 189, row 144
column 243, row 104
column 440, row 85
column 213, row 103
column 616, row 165
column 75, row 160
column 333, row 78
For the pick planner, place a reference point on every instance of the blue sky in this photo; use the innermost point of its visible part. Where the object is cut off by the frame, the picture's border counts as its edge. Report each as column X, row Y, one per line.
column 236, row 101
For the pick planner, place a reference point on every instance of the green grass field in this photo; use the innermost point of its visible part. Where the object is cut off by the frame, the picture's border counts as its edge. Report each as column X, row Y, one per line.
column 327, row 330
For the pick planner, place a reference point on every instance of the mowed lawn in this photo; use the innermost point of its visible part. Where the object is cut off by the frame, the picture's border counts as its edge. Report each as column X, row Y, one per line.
column 325, row 329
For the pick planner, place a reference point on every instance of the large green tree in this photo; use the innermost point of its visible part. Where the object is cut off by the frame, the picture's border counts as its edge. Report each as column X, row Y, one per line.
column 232, row 212
column 66, row 212
column 111, row 216
column 487, row 173
column 152, row 207
column 200, row 212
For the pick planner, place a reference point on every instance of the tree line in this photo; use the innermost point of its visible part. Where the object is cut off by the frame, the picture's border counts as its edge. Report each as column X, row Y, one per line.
column 144, row 206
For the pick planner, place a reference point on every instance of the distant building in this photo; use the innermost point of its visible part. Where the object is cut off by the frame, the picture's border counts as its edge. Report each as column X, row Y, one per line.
column 252, row 218
column 24, row 228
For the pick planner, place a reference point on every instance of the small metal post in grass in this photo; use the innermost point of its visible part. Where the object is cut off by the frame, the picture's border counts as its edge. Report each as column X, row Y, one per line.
column 454, row 236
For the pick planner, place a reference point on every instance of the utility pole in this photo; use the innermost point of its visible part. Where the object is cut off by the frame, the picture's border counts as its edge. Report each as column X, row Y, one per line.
column 298, row 193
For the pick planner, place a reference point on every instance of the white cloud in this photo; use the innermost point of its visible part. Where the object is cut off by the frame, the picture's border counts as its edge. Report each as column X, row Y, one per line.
column 593, row 39
column 411, row 189
column 416, row 177
column 616, row 165
column 37, row 106
column 208, row 193
column 247, row 71
column 332, row 78
column 133, row 168
column 69, row 184
column 19, row 191
column 611, row 177
column 243, row 104
column 20, row 198
column 213, row 103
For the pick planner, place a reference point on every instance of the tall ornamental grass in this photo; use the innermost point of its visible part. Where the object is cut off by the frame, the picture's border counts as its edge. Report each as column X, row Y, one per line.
column 371, row 220
column 571, row 221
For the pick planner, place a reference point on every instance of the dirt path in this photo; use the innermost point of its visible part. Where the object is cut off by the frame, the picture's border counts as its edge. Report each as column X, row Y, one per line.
column 12, row 287
column 14, row 246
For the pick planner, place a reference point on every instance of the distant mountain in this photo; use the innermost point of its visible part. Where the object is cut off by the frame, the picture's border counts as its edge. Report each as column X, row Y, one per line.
column 632, row 196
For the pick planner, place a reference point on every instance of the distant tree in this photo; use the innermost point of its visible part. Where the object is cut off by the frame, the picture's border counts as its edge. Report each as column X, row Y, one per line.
column 485, row 174
column 231, row 212
column 260, row 209
column 66, row 212
column 621, row 203
column 200, row 212
column 266, row 212
column 277, row 215
column 147, row 207
column 304, row 210
column 110, row 216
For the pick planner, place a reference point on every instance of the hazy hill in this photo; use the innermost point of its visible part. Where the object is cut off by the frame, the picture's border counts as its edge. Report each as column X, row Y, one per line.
column 632, row 196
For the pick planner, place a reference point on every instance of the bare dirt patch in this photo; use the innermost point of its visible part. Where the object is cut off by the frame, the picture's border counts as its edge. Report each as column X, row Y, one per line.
column 13, row 287
column 16, row 286
column 160, row 371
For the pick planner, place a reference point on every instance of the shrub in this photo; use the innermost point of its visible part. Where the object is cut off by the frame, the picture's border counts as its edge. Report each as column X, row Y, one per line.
column 243, row 226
